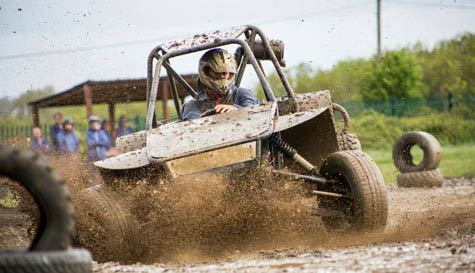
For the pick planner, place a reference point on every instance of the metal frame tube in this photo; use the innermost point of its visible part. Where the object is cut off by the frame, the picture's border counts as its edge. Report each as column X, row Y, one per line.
column 168, row 55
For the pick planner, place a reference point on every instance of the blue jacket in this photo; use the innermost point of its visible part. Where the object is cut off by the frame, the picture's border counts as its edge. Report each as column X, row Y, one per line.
column 54, row 130
column 98, row 143
column 39, row 146
column 68, row 142
column 193, row 109
column 123, row 131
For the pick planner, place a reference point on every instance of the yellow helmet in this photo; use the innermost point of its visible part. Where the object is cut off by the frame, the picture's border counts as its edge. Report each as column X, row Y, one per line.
column 217, row 60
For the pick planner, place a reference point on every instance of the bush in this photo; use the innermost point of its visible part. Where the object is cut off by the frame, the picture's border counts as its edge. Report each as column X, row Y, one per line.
column 377, row 131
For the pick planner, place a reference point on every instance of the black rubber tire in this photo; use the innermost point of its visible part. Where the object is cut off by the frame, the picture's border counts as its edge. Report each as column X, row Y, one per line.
column 432, row 178
column 348, row 142
column 67, row 261
column 358, row 177
column 56, row 224
column 111, row 241
column 402, row 152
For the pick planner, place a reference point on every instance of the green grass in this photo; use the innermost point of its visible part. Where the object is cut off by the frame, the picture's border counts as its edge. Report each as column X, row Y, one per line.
column 456, row 161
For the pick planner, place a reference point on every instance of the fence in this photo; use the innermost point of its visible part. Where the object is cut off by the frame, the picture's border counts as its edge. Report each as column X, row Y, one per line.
column 394, row 107
column 405, row 107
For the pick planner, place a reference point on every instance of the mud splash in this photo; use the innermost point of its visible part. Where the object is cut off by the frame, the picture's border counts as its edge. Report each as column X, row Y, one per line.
column 213, row 217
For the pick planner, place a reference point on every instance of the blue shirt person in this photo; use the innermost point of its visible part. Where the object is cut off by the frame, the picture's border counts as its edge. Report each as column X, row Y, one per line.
column 97, row 140
column 122, row 129
column 67, row 140
column 39, row 145
column 55, row 129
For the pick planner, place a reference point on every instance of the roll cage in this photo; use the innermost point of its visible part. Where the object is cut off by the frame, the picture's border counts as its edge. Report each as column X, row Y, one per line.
column 244, row 36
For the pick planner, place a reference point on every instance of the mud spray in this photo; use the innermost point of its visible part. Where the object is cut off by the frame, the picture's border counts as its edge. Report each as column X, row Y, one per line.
column 211, row 217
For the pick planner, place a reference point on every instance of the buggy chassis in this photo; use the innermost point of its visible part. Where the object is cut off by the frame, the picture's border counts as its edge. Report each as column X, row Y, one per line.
column 347, row 183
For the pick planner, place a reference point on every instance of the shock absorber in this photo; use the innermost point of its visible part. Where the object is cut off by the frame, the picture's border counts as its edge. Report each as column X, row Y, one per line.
column 290, row 152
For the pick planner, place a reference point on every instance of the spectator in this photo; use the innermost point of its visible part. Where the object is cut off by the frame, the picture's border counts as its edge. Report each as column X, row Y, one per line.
column 55, row 129
column 67, row 140
column 106, row 127
column 123, row 130
column 98, row 143
column 39, row 145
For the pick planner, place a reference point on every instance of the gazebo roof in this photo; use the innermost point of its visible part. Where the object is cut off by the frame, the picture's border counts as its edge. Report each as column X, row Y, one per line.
column 112, row 91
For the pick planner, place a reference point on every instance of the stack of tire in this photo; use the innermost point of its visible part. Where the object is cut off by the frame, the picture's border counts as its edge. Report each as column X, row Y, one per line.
column 50, row 250
column 425, row 173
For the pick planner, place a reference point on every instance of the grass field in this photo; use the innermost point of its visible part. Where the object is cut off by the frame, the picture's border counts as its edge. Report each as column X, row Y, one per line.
column 456, row 161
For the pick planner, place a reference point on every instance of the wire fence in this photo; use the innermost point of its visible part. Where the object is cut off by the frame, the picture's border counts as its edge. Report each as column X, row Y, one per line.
column 393, row 107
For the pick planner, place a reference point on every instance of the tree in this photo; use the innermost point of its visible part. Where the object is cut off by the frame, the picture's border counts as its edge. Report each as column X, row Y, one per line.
column 19, row 107
column 399, row 75
column 449, row 67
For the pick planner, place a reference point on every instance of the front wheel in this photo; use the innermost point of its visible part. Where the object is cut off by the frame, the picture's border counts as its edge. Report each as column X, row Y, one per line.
column 364, row 206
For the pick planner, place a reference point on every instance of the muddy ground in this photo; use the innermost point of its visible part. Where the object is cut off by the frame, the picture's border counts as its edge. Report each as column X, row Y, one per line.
column 429, row 230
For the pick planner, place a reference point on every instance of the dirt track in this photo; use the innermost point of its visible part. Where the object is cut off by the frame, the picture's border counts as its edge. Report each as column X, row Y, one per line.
column 429, row 230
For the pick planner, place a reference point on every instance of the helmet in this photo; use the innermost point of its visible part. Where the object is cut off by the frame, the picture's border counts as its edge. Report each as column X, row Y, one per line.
column 94, row 118
column 219, row 61
column 68, row 121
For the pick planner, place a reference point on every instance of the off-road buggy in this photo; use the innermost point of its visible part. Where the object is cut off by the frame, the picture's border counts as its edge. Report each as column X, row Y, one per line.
column 297, row 132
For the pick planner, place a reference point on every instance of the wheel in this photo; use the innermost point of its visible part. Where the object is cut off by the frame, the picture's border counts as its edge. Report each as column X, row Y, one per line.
column 402, row 156
column 348, row 142
column 102, row 225
column 56, row 221
column 356, row 176
column 432, row 178
column 68, row 261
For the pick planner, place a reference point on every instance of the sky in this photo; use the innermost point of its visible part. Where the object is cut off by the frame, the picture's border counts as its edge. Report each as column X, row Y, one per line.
column 62, row 43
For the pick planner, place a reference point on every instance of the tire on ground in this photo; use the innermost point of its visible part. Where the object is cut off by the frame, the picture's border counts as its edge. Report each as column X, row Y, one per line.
column 357, row 176
column 348, row 142
column 103, row 225
column 56, row 225
column 402, row 156
column 432, row 178
column 68, row 261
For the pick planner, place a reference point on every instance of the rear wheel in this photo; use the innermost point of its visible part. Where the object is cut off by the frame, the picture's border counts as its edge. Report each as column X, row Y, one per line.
column 103, row 225
column 364, row 206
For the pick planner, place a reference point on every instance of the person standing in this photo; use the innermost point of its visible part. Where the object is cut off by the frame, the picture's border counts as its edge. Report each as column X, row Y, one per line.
column 39, row 145
column 98, row 143
column 123, row 130
column 67, row 140
column 55, row 129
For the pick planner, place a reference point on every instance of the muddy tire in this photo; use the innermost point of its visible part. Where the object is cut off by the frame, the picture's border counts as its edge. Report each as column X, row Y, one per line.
column 432, row 178
column 402, row 156
column 356, row 176
column 56, row 225
column 68, row 261
column 103, row 225
column 348, row 142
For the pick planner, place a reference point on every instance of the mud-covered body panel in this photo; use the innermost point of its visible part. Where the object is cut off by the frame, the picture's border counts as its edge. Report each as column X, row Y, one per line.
column 311, row 131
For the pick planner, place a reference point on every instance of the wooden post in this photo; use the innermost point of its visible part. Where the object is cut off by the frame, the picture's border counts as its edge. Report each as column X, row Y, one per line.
column 88, row 99
column 112, row 121
column 378, row 29
column 166, row 115
column 36, row 116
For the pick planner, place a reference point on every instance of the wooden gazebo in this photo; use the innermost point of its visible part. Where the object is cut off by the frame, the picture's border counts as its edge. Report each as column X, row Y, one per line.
column 109, row 92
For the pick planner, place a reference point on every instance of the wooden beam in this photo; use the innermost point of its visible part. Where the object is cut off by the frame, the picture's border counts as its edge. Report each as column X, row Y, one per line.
column 36, row 116
column 112, row 121
column 88, row 99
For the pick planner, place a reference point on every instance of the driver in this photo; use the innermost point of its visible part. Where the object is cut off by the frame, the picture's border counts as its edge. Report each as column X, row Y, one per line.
column 217, row 70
